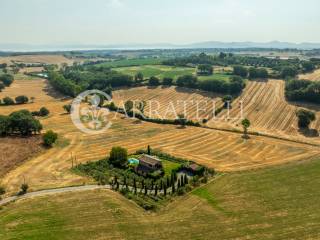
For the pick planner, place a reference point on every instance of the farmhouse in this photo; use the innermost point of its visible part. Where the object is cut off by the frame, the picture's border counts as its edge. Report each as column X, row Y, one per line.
column 148, row 164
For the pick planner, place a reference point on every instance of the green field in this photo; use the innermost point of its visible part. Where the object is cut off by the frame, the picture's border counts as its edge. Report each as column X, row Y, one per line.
column 215, row 76
column 159, row 71
column 132, row 62
column 274, row 203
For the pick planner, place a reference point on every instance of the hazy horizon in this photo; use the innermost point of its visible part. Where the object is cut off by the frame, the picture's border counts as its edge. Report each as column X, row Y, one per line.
column 108, row 22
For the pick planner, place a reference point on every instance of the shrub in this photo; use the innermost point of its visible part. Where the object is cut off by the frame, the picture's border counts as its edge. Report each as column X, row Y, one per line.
column 49, row 138
column 7, row 79
column 187, row 81
column 2, row 191
column 167, row 81
column 67, row 108
column 154, row 81
column 8, row 101
column 21, row 99
column 24, row 188
column 118, row 156
column 240, row 71
column 43, row 112
column 22, row 122
column 305, row 117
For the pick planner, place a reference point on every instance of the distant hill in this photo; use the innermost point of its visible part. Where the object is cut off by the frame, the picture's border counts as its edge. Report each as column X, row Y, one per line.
column 209, row 44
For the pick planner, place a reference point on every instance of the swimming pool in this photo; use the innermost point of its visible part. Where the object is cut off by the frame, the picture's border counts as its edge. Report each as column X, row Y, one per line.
column 133, row 161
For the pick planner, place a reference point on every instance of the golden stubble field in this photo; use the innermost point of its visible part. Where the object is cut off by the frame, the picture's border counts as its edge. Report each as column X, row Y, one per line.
column 225, row 151
column 314, row 76
column 263, row 103
column 48, row 59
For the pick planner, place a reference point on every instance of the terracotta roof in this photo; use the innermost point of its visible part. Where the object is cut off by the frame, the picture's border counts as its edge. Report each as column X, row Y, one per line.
column 194, row 166
column 149, row 159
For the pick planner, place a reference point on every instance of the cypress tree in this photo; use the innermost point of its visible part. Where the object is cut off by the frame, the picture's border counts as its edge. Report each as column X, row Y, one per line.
column 156, row 191
column 173, row 188
column 182, row 180
column 145, row 190
column 135, row 186
column 149, row 150
column 179, row 183
column 186, row 181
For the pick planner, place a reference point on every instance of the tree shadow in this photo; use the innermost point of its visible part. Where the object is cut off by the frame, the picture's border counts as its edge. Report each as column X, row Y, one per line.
column 200, row 92
column 152, row 87
column 307, row 132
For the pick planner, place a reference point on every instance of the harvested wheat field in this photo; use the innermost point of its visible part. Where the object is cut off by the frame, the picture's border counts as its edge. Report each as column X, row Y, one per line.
column 264, row 104
column 160, row 101
column 47, row 59
column 225, row 151
column 314, row 76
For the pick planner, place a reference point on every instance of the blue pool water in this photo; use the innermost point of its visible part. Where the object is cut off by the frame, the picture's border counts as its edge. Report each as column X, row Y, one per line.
column 133, row 161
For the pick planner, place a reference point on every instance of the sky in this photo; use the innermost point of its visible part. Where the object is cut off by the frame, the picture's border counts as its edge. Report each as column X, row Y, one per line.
column 154, row 21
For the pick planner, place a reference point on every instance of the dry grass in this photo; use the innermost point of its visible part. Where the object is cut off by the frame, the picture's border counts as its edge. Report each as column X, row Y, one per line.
column 14, row 151
column 273, row 203
column 314, row 76
column 264, row 104
column 169, row 97
column 48, row 59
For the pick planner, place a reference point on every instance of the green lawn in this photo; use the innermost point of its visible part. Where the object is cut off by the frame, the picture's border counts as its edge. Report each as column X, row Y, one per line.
column 274, row 203
column 159, row 71
column 168, row 166
column 132, row 62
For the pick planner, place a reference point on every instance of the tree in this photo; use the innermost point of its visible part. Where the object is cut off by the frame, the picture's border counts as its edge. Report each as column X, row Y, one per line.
column 2, row 191
column 118, row 156
column 7, row 79
column 24, row 123
column 43, row 112
column 245, row 124
column 140, row 105
column 22, row 99
column 240, row 71
column 288, row 72
column 134, row 186
column 189, row 81
column 67, row 108
column 154, row 81
column 2, row 86
column 24, row 188
column 167, row 81
column 138, row 77
column 49, row 138
column 149, row 150
column 308, row 66
column 305, row 117
column 205, row 69
column 182, row 120
column 222, row 55
column 8, row 101
column 227, row 99
column 128, row 106
column 4, row 125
